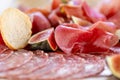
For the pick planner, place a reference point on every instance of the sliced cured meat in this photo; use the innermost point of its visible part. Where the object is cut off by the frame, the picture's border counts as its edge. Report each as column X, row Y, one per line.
column 3, row 48
column 17, row 59
column 93, row 66
column 73, row 11
column 72, row 39
column 54, row 18
column 105, row 26
column 72, row 65
column 54, row 63
column 80, row 21
column 111, row 9
column 93, row 15
column 38, row 60
column 43, row 11
column 76, row 2
column 56, row 3
column 4, row 55
column 39, row 22
column 116, row 19
column 84, row 11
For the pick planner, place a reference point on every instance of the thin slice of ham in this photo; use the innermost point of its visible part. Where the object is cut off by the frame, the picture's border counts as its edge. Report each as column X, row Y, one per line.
column 39, row 22
column 17, row 59
column 91, row 14
column 116, row 19
column 71, row 10
column 72, row 39
column 43, row 11
column 109, row 7
column 105, row 26
column 54, row 63
column 83, row 11
column 56, row 17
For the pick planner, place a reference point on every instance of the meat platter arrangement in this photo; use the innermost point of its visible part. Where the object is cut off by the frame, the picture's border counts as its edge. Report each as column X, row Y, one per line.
column 72, row 41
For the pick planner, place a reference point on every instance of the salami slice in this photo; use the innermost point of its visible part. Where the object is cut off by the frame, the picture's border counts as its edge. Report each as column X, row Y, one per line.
column 3, row 48
column 93, row 66
column 54, row 63
column 17, row 59
column 4, row 55
column 72, row 65
column 39, row 60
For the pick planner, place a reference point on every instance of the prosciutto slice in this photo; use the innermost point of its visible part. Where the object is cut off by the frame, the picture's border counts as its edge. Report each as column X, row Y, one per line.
column 17, row 59
column 116, row 19
column 72, row 39
column 39, row 22
column 93, row 15
column 111, row 9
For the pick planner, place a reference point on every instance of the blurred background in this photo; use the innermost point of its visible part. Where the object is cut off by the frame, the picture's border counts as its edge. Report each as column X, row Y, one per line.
column 32, row 3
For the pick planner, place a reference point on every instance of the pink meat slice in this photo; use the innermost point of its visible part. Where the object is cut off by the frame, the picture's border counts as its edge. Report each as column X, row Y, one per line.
column 54, row 63
column 92, row 67
column 17, row 59
column 6, row 54
column 91, row 14
column 116, row 19
column 3, row 48
column 71, row 39
column 39, row 60
column 109, row 10
column 72, row 65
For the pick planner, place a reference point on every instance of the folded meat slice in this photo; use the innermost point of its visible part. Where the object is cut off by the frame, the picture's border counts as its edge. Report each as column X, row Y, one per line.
column 72, row 39
column 39, row 60
column 39, row 22
column 54, row 63
column 92, row 14
column 109, row 7
column 17, row 59
column 83, row 11
column 116, row 19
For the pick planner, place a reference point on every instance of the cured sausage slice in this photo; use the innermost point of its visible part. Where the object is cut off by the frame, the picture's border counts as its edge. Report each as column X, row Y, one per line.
column 54, row 63
column 39, row 60
column 4, row 55
column 3, row 48
column 93, row 66
column 17, row 59
column 72, row 65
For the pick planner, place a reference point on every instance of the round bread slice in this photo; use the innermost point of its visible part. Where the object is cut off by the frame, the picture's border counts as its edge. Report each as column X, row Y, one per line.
column 15, row 28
